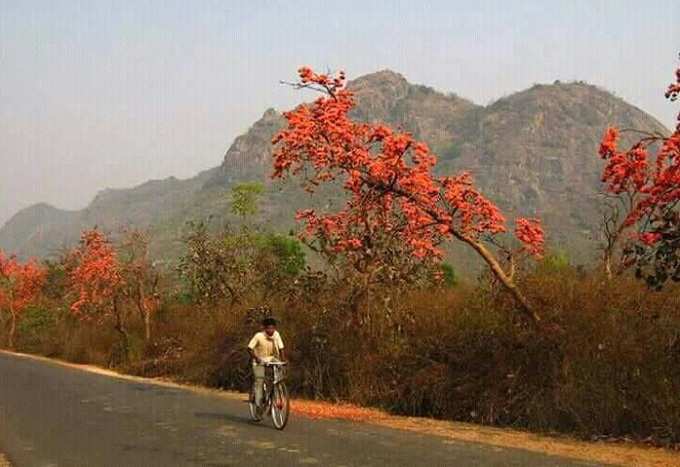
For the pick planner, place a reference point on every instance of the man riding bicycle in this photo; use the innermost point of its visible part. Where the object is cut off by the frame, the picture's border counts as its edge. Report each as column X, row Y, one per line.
column 265, row 346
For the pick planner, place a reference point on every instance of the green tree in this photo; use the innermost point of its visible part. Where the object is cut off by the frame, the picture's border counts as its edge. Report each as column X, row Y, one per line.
column 288, row 252
column 245, row 198
column 232, row 265
column 450, row 151
column 449, row 277
column 556, row 261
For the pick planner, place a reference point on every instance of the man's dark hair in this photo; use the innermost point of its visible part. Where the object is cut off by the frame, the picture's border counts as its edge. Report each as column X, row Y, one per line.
column 269, row 322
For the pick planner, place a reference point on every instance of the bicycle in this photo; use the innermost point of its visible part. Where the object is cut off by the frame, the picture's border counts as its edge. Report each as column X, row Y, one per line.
column 276, row 402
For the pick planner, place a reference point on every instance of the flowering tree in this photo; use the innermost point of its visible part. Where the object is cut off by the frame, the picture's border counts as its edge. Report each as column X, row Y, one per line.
column 96, row 281
column 393, row 195
column 20, row 284
column 645, row 179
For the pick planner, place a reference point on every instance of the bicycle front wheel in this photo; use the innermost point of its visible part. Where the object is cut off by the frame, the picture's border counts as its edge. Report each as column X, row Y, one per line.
column 280, row 406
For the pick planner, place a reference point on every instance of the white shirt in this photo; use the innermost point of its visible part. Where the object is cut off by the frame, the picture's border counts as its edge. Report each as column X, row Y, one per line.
column 266, row 347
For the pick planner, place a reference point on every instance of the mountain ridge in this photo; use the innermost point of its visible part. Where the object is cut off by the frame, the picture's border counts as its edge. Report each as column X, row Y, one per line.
column 534, row 152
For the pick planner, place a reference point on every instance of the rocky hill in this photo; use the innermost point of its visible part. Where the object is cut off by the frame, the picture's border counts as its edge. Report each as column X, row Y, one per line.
column 533, row 152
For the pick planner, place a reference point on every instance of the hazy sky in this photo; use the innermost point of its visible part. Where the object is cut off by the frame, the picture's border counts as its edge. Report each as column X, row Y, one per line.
column 98, row 94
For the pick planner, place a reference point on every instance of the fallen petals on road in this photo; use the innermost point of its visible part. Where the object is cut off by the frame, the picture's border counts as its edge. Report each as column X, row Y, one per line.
column 321, row 410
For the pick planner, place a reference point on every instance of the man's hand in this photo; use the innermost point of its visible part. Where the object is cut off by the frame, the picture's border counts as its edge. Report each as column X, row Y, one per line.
column 255, row 358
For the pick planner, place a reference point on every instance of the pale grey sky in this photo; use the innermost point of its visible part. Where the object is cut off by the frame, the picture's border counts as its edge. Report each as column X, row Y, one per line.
column 97, row 94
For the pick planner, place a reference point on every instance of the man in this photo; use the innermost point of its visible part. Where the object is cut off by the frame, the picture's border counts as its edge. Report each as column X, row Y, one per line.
column 265, row 346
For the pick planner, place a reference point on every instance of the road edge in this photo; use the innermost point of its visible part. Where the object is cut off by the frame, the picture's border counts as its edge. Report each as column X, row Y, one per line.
column 557, row 445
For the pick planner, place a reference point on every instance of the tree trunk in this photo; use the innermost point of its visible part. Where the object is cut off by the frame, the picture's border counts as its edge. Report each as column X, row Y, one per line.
column 609, row 255
column 506, row 280
column 608, row 264
column 144, row 312
column 356, row 299
column 12, row 328
column 140, row 306
column 147, row 325
column 497, row 270
column 120, row 328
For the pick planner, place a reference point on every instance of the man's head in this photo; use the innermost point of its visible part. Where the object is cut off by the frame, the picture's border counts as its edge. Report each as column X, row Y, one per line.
column 269, row 326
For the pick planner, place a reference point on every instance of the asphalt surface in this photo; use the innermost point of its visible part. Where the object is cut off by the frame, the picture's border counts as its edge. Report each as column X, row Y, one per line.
column 51, row 415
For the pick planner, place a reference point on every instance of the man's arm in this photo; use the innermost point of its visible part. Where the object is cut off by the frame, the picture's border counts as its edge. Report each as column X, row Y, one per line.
column 253, row 356
column 251, row 349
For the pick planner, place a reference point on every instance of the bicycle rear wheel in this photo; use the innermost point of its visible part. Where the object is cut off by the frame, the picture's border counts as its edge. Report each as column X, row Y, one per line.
column 280, row 406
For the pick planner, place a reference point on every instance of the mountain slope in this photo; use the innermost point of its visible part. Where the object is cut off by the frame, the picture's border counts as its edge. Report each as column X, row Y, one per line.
column 534, row 153
column 39, row 230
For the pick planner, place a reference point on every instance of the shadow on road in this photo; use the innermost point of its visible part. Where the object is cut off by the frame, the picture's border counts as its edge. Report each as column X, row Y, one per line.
column 226, row 418
column 158, row 391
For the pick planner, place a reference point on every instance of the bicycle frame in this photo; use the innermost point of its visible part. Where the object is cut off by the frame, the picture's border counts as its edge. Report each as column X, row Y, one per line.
column 277, row 370
column 277, row 376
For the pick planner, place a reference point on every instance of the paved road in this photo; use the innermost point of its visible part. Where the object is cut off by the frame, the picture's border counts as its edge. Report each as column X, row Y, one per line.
column 51, row 415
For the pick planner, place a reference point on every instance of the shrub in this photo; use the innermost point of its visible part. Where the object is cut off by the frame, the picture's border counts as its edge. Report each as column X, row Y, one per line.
column 37, row 322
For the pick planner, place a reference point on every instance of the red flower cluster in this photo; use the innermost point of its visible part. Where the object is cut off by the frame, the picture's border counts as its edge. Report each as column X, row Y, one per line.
column 649, row 238
column 624, row 171
column 388, row 175
column 530, row 233
column 96, row 275
column 20, row 283
column 653, row 182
